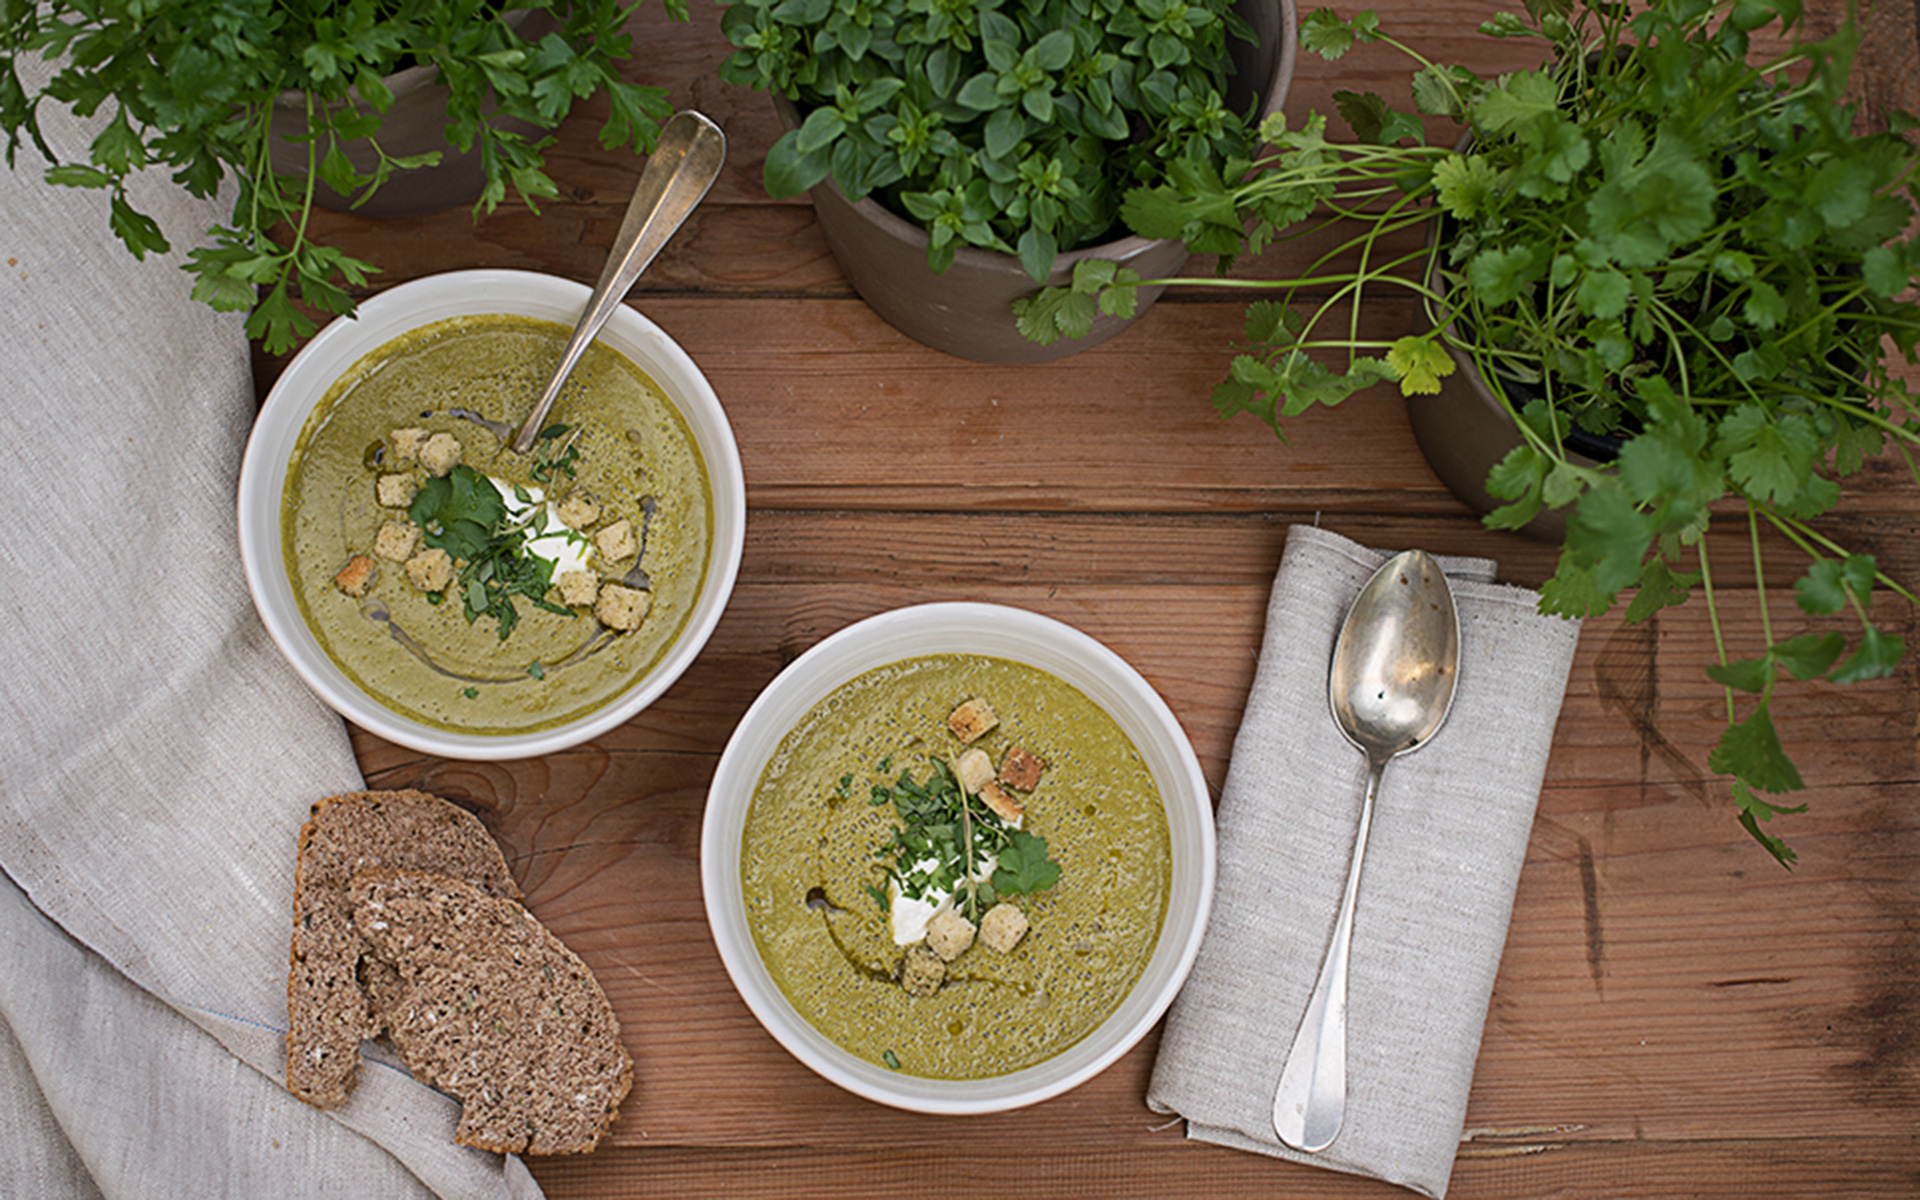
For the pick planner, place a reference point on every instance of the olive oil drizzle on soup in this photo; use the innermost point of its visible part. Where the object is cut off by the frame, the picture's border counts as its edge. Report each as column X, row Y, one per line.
column 807, row 855
column 476, row 377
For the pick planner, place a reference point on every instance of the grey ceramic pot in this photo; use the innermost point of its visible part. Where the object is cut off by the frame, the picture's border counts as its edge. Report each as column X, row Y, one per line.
column 415, row 124
column 1464, row 430
column 968, row 309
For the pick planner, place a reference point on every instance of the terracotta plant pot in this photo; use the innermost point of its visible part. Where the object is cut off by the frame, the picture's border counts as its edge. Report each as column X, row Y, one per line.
column 968, row 309
column 415, row 124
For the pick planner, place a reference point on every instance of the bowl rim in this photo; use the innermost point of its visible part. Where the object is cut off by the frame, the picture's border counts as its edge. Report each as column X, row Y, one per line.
column 408, row 306
column 860, row 647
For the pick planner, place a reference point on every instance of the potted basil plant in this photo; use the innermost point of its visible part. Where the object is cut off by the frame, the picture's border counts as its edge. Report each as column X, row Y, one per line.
column 958, row 155
column 193, row 87
column 1663, row 266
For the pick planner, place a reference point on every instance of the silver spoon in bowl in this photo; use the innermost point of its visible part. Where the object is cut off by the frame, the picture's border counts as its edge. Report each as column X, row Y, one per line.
column 683, row 165
column 1390, row 686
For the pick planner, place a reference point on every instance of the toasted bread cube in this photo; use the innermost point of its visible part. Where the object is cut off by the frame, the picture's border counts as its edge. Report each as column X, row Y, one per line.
column 355, row 576
column 431, row 570
column 577, row 511
column 616, row 541
column 396, row 491
column 1020, row 769
column 397, row 540
column 441, row 453
column 974, row 770
column 1003, row 927
column 406, row 445
column 579, row 588
column 971, row 720
column 1004, row 805
column 621, row 607
column 921, row 971
column 949, row 934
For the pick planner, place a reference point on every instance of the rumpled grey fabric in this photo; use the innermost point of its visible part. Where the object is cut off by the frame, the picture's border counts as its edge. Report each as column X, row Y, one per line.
column 1449, row 835
column 157, row 757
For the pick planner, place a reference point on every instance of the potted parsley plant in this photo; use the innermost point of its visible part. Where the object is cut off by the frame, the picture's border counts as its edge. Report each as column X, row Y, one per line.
column 295, row 98
column 1662, row 268
column 959, row 155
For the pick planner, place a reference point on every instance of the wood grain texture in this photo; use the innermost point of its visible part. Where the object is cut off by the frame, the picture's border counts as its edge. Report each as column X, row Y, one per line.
column 1674, row 1015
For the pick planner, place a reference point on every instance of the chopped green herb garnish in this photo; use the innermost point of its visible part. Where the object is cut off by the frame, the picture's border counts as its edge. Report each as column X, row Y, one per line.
column 470, row 692
column 939, row 825
column 553, row 456
column 536, row 670
column 463, row 514
column 889, row 1058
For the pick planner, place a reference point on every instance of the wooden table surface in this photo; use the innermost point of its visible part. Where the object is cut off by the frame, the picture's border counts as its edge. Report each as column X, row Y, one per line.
column 1675, row 1015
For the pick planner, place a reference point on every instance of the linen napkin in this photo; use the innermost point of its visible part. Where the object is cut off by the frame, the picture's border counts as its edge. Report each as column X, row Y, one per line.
column 157, row 757
column 1449, row 834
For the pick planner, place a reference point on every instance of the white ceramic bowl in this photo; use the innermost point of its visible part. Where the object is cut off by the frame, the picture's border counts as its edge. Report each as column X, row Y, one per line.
column 263, row 476
column 1000, row 632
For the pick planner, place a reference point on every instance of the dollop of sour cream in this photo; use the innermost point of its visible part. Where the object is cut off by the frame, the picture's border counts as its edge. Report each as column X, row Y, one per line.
column 909, row 914
column 548, row 538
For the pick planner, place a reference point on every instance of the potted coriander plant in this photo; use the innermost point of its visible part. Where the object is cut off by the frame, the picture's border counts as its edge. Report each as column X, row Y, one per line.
column 298, row 100
column 1662, row 268
column 958, row 155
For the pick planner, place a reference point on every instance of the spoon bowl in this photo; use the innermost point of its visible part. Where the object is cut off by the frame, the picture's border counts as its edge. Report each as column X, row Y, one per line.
column 1390, row 687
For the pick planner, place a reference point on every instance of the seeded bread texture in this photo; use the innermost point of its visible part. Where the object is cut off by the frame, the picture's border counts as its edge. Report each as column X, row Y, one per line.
column 489, row 1006
column 329, row 1008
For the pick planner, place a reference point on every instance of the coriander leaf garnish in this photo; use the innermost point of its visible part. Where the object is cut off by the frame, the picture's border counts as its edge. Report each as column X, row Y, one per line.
column 464, row 514
column 941, row 831
column 1025, row 867
column 551, row 455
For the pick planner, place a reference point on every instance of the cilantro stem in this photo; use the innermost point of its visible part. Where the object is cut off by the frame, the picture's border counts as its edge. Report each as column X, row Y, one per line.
column 1713, row 618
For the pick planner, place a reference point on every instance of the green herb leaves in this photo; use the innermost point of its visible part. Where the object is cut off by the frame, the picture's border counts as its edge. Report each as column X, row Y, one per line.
column 1010, row 128
column 191, row 87
column 463, row 514
column 927, row 856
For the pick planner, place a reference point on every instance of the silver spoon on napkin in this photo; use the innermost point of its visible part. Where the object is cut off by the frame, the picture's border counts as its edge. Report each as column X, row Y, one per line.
column 683, row 165
column 1390, row 686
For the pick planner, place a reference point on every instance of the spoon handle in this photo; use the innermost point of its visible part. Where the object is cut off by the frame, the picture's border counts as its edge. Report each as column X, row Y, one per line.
column 1311, row 1101
column 678, row 173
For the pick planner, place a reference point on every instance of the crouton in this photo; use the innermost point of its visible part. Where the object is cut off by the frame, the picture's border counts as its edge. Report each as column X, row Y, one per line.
column 1004, row 805
column 971, row 720
column 616, row 541
column 949, row 934
column 431, row 570
column 577, row 511
column 974, row 769
column 397, row 540
column 1003, row 927
column 441, row 453
column 396, row 491
column 406, row 445
column 921, row 971
column 579, row 588
column 621, row 607
column 355, row 576
column 1020, row 769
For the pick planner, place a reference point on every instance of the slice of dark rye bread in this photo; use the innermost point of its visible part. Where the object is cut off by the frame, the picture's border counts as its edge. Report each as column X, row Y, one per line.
column 331, row 979
column 491, row 1007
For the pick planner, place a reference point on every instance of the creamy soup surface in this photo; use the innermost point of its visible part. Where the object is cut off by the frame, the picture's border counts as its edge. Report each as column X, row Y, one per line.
column 808, row 858
column 475, row 378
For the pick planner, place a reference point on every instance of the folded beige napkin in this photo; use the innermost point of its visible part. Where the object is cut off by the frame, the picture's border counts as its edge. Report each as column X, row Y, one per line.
column 1449, row 834
column 157, row 757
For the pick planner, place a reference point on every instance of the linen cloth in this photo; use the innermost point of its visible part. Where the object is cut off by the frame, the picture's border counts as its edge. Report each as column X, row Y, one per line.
column 1449, row 834
column 157, row 757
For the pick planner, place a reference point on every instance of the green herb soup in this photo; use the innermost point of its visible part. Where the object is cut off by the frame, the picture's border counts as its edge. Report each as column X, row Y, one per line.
column 814, row 844
column 622, row 447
